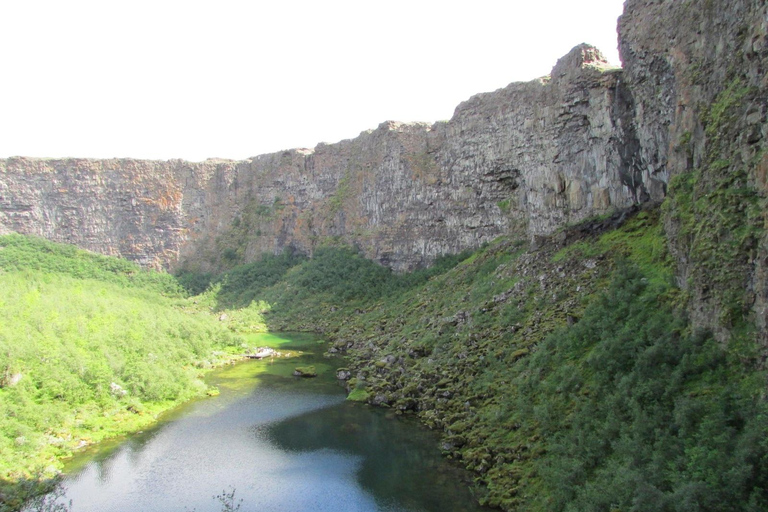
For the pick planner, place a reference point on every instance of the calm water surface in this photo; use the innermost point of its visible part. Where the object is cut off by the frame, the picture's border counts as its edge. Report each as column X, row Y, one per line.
column 282, row 442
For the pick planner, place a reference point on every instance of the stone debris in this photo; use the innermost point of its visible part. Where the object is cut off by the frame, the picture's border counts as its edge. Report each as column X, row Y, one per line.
column 264, row 352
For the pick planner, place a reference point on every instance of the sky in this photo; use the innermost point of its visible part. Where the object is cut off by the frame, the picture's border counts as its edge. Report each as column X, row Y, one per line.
column 191, row 79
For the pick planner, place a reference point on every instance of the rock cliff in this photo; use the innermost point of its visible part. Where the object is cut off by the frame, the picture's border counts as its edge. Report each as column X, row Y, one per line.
column 531, row 157
column 685, row 119
column 697, row 72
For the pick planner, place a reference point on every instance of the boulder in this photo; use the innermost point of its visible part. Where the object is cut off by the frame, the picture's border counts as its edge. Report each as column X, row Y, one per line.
column 305, row 371
column 262, row 352
column 343, row 374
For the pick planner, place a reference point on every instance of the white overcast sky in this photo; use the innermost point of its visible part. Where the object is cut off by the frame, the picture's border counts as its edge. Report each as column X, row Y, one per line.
column 193, row 79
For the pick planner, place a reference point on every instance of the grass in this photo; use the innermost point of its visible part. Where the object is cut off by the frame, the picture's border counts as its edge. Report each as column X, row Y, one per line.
column 90, row 348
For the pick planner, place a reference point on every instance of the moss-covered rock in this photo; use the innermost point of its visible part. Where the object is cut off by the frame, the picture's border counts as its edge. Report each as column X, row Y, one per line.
column 305, row 371
column 358, row 395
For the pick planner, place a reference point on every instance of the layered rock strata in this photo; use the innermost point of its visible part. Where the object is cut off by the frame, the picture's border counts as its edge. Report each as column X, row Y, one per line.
column 698, row 76
column 530, row 157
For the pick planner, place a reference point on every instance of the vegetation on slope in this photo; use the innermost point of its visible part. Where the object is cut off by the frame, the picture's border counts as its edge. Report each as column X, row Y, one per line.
column 629, row 411
column 566, row 377
column 90, row 347
column 296, row 292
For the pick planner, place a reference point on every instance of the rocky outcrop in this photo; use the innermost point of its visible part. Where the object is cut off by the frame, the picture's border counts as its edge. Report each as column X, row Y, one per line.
column 565, row 144
column 529, row 157
column 698, row 76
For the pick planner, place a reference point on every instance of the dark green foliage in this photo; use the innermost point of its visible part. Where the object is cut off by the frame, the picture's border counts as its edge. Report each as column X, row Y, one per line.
column 194, row 283
column 334, row 275
column 346, row 275
column 243, row 283
column 633, row 413
column 342, row 273
column 246, row 283
column 229, row 255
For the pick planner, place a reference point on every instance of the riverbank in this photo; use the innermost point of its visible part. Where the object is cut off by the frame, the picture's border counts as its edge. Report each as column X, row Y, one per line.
column 91, row 348
column 544, row 364
column 280, row 442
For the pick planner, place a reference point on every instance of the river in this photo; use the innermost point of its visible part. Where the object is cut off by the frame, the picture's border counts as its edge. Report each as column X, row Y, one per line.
column 281, row 443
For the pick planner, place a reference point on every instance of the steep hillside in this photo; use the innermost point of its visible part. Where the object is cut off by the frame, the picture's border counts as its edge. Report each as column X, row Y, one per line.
column 566, row 374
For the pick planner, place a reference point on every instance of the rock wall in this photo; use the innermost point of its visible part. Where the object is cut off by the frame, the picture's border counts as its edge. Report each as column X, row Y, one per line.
column 140, row 210
column 697, row 71
column 685, row 119
column 528, row 157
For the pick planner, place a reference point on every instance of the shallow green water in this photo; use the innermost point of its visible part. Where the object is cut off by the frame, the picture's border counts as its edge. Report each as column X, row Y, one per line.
column 282, row 442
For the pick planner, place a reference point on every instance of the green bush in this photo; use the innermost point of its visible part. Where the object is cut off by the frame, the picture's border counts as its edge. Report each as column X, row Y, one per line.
column 633, row 413
column 246, row 283
column 90, row 347
column 342, row 273
column 292, row 285
column 194, row 283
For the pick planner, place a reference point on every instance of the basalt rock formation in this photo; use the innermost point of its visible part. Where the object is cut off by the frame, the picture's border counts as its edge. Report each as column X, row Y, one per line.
column 698, row 75
column 685, row 119
column 531, row 156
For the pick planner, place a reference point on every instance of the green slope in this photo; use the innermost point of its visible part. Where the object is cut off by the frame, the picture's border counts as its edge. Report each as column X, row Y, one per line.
column 90, row 347
column 566, row 376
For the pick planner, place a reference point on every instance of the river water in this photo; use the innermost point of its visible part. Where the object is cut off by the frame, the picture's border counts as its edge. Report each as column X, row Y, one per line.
column 281, row 443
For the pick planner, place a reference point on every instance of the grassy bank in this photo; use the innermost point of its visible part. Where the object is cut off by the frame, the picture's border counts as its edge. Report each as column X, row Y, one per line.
column 90, row 348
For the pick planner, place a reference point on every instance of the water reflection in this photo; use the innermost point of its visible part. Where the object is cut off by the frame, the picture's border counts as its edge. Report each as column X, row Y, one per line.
column 284, row 443
column 399, row 463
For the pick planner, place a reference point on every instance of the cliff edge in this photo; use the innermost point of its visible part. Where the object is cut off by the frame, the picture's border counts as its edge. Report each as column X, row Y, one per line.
column 531, row 157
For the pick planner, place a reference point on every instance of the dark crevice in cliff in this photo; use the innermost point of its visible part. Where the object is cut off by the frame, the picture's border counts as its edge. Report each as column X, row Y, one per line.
column 631, row 166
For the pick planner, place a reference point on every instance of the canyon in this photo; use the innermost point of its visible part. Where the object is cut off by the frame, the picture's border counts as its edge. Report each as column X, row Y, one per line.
column 531, row 158
column 598, row 338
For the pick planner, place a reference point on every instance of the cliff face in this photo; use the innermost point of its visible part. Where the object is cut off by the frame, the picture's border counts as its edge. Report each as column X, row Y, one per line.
column 136, row 209
column 529, row 157
column 685, row 119
column 698, row 76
